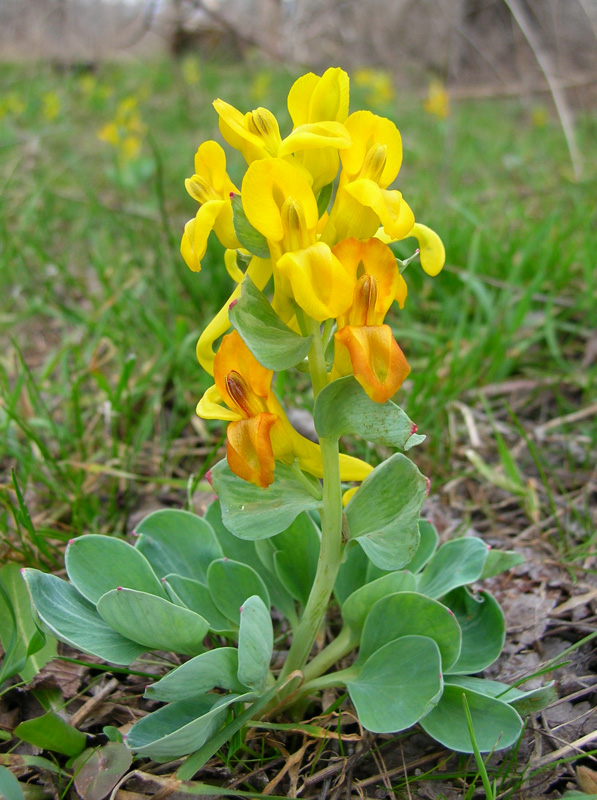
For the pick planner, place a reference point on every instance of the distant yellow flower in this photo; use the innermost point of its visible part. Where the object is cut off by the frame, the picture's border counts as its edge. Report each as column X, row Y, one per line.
column 379, row 84
column 260, row 86
column 438, row 100
column 539, row 116
column 50, row 105
column 191, row 72
column 12, row 105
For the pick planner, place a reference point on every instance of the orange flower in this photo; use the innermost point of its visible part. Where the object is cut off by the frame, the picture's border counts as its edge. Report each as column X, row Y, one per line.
column 259, row 433
column 364, row 346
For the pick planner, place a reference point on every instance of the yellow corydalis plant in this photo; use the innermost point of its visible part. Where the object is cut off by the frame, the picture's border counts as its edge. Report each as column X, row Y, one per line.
column 322, row 252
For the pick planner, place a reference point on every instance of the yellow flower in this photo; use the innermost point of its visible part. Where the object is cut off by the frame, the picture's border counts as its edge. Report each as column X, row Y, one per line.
column 191, row 71
column 211, row 187
column 259, row 433
column 364, row 346
column 438, row 100
column 313, row 100
column 280, row 204
column 431, row 248
column 318, row 107
column 369, row 165
column 50, row 105
column 379, row 83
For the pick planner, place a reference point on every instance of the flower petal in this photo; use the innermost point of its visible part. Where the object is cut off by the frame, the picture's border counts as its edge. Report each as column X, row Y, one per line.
column 313, row 135
column 367, row 130
column 234, row 355
column 390, row 207
column 196, row 233
column 249, row 449
column 259, row 270
column 321, row 285
column 433, row 254
column 378, row 363
column 267, row 184
column 210, row 407
column 315, row 99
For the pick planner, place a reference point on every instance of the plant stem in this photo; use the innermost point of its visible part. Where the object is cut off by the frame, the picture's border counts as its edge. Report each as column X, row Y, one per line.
column 330, row 556
column 335, row 650
column 330, row 553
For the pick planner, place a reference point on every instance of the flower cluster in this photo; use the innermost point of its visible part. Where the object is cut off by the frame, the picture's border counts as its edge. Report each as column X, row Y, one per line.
column 313, row 217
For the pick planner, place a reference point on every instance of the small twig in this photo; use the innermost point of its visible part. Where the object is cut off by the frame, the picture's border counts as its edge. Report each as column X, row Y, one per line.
column 559, row 98
column 89, row 705
column 568, row 750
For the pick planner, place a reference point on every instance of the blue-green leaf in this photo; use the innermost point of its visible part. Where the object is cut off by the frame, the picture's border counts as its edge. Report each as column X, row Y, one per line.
column 197, row 597
column 496, row 724
column 231, row 583
column 295, row 555
column 253, row 513
column 255, row 643
column 411, row 614
column 483, row 629
column 153, row 622
column 244, row 551
column 343, row 408
column 182, row 727
column 95, row 564
column 201, row 674
column 499, row 561
column 359, row 603
column 383, row 515
column 456, row 563
column 398, row 684
column 175, row 541
column 30, row 651
column 270, row 340
column 10, row 787
column 72, row 619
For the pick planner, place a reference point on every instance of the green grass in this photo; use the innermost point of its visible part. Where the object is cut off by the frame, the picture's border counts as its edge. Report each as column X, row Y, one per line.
column 99, row 316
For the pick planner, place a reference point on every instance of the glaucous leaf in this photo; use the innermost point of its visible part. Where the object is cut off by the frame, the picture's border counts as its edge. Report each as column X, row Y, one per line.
column 153, row 622
column 255, row 643
column 295, row 556
column 383, row 515
column 253, row 513
column 428, row 541
column 244, row 551
column 483, row 629
column 398, row 684
column 496, row 724
column 270, row 340
column 343, row 408
column 231, row 583
column 197, row 597
column 182, row 727
column 352, row 573
column 359, row 603
column 175, row 541
column 499, row 561
column 27, row 658
column 95, row 564
column 74, row 620
column 10, row 786
column 456, row 563
column 201, row 674
column 525, row 702
column 411, row 614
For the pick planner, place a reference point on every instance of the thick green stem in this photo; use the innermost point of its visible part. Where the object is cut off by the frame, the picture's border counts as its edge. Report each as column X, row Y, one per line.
column 330, row 553
column 330, row 556
column 330, row 655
